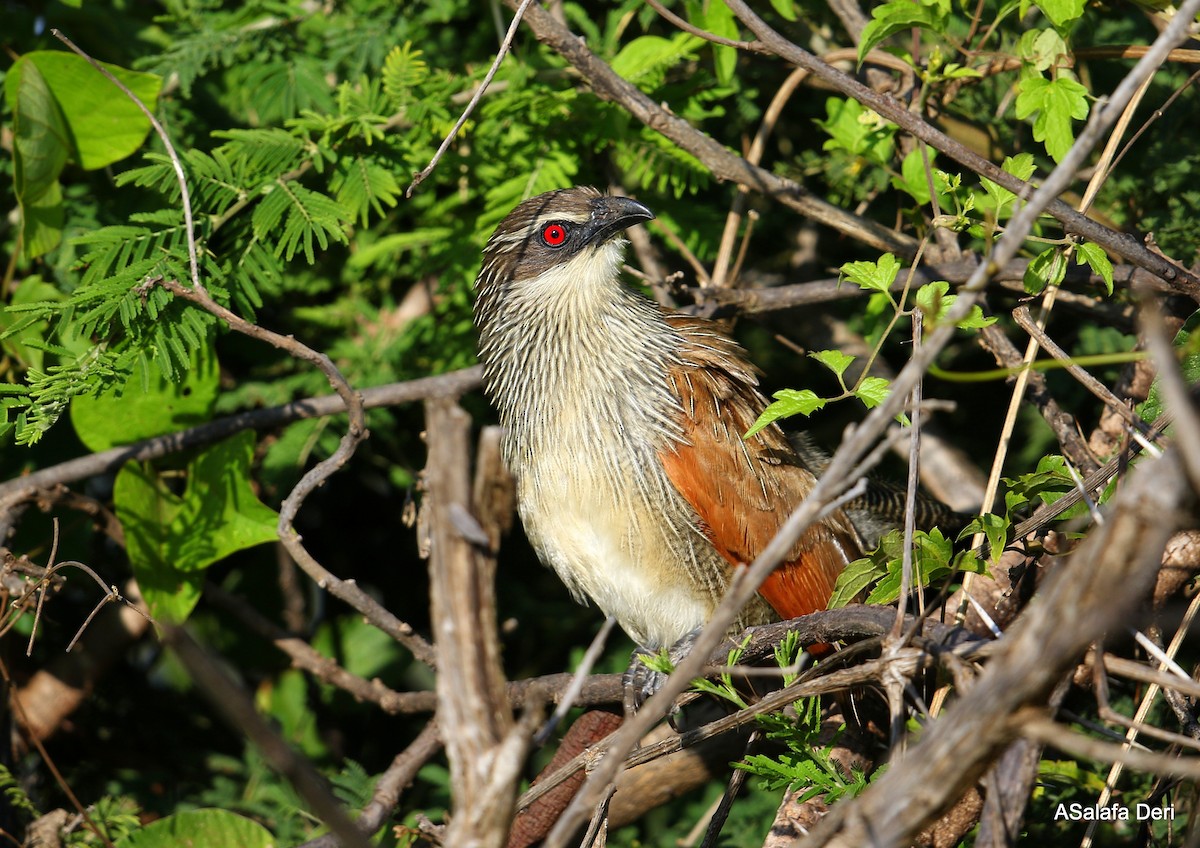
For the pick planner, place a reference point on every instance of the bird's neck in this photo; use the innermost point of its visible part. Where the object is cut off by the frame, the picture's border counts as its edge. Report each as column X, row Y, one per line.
column 573, row 348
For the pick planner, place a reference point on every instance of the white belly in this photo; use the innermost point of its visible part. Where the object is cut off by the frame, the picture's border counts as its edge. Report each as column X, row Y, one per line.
column 604, row 546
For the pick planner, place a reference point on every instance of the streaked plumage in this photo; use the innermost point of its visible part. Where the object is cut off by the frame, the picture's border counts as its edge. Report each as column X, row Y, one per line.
column 624, row 427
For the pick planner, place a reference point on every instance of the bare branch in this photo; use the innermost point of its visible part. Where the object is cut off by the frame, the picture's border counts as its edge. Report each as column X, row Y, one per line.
column 1072, row 221
column 485, row 746
column 451, row 384
column 420, row 176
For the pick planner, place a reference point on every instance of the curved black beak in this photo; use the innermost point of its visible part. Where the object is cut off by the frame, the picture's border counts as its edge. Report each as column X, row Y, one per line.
column 612, row 216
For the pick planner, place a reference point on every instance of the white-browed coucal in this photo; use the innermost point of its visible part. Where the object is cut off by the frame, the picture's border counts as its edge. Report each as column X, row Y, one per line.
column 625, row 427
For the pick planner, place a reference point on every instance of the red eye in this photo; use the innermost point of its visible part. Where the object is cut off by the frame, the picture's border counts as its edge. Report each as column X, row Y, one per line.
column 554, row 235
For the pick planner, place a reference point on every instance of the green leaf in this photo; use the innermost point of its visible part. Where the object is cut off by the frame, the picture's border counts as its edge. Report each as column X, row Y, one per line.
column 1021, row 166
column 1048, row 268
column 1097, row 259
column 1043, row 49
column 995, row 530
column 204, row 828
column 172, row 538
column 646, row 59
column 41, row 147
column 788, row 402
column 834, row 360
column 305, row 216
column 913, row 179
column 362, row 186
column 932, row 561
column 1049, row 482
column 873, row 391
column 932, row 299
column 854, row 578
column 897, row 16
column 858, row 130
column 148, row 404
column 105, row 125
column 1055, row 102
column 719, row 20
column 785, row 8
column 935, row 302
column 873, row 276
column 287, row 702
column 1061, row 12
column 403, row 71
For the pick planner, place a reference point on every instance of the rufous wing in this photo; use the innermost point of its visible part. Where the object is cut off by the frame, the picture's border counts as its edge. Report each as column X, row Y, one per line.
column 744, row 489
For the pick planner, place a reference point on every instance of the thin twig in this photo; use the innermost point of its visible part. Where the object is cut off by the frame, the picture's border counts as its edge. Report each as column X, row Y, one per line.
column 420, row 176
column 753, row 46
column 595, row 649
column 1025, row 321
column 176, row 163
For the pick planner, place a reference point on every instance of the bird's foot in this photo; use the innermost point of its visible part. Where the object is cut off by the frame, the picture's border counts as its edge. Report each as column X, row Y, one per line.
column 648, row 670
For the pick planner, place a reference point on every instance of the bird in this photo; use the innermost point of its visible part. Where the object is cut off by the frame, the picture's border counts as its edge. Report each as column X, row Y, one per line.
column 624, row 428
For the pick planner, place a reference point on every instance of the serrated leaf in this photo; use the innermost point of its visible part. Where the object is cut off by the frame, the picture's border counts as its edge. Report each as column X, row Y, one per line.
column 1042, row 49
column 857, row 130
column 1055, row 103
column 1021, row 166
column 1048, row 268
column 898, row 16
column 1097, row 260
column 873, row 276
column 788, row 402
column 873, row 391
column 995, row 530
column 854, row 578
column 933, row 299
column 835, row 360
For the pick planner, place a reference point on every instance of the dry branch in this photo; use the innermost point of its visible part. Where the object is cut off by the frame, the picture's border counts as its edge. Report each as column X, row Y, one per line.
column 485, row 746
column 724, row 164
column 898, row 113
column 452, row 384
column 1102, row 584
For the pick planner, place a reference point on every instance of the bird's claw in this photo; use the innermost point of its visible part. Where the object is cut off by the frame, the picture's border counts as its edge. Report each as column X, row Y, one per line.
column 641, row 681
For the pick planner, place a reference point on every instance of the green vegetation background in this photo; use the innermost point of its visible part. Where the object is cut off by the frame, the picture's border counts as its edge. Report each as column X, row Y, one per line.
column 301, row 124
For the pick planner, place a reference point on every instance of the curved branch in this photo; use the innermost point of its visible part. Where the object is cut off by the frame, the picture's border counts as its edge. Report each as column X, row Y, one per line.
column 452, row 384
column 724, row 164
column 1073, row 222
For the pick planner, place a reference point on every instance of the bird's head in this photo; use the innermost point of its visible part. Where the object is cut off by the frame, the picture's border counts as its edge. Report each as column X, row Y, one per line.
column 562, row 243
